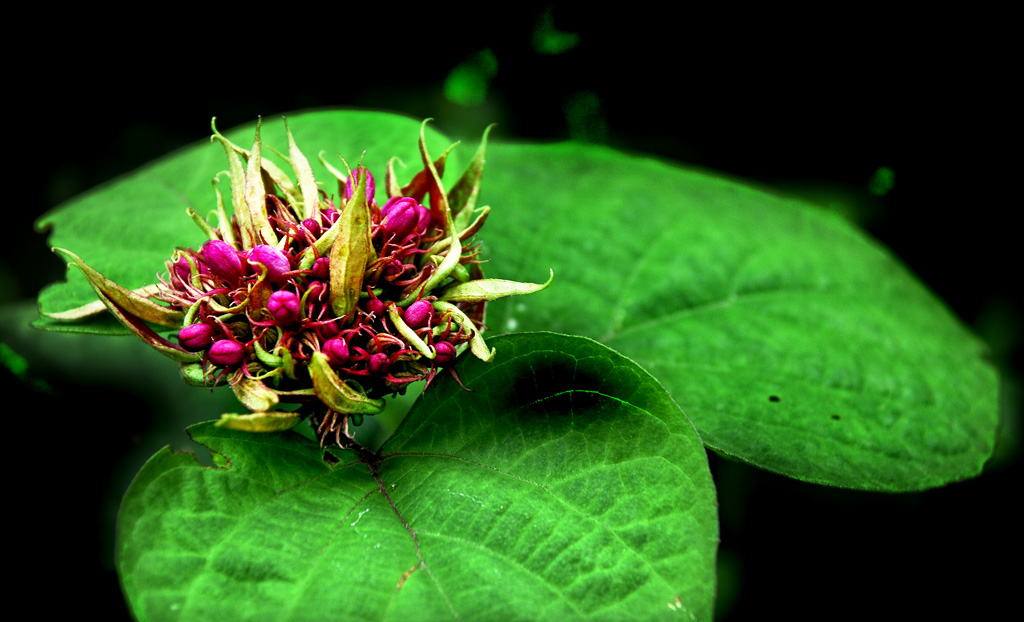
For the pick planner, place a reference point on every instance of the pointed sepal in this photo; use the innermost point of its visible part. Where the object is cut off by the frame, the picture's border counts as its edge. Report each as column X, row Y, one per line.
column 236, row 173
column 273, row 421
column 337, row 394
column 409, row 334
column 256, row 196
column 134, row 302
column 463, row 195
column 350, row 252
column 304, row 173
column 255, row 395
column 477, row 345
column 491, row 289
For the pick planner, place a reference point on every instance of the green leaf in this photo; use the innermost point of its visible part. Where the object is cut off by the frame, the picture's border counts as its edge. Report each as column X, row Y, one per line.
column 564, row 485
column 128, row 228
column 792, row 341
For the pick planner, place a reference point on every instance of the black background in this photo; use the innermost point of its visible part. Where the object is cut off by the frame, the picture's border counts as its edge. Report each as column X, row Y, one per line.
column 809, row 102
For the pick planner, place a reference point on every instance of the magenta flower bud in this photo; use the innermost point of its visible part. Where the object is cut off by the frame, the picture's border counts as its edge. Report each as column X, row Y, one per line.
column 315, row 291
column 283, row 307
column 379, row 363
column 375, row 306
column 354, row 179
column 394, row 269
column 226, row 353
column 336, row 350
column 445, row 352
column 223, row 261
column 330, row 215
column 273, row 260
column 182, row 269
column 329, row 330
column 312, row 226
column 181, row 273
column 418, row 314
column 322, row 269
column 402, row 215
column 196, row 337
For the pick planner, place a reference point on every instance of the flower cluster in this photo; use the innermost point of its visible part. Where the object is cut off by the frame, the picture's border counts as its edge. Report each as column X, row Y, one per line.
column 331, row 304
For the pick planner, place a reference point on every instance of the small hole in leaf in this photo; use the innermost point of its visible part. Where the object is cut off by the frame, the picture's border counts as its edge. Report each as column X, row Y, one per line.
column 835, row 417
column 774, row 398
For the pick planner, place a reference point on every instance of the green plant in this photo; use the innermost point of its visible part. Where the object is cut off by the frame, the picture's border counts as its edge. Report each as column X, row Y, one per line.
column 567, row 482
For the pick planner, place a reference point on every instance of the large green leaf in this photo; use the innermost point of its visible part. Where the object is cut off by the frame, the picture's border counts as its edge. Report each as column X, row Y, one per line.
column 128, row 228
column 565, row 484
column 792, row 341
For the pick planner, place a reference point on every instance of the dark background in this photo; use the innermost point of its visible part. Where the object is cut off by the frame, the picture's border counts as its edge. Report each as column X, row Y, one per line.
column 814, row 104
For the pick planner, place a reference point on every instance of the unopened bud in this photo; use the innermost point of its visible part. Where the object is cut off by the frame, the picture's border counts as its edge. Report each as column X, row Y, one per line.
column 329, row 330
column 283, row 306
column 445, row 352
column 403, row 216
column 223, row 261
column 336, row 351
column 418, row 314
column 322, row 269
column 312, row 226
column 350, row 188
column 316, row 291
column 196, row 337
column 273, row 260
column 181, row 273
column 226, row 353
column 375, row 307
column 379, row 363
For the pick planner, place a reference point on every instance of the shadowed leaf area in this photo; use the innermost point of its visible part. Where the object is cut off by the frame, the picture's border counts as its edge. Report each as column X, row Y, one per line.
column 564, row 485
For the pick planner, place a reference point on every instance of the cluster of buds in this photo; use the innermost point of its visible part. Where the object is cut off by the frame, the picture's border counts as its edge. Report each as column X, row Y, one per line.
column 297, row 298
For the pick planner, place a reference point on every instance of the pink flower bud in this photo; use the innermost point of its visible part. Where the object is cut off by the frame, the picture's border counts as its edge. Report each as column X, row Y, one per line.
column 322, row 269
column 418, row 314
column 375, row 306
column 394, row 269
column 316, row 291
column 312, row 226
column 403, row 216
column 273, row 260
column 354, row 179
column 196, row 337
column 226, row 353
column 223, row 261
column 330, row 215
column 379, row 363
column 336, row 350
column 283, row 307
column 181, row 273
column 329, row 330
column 445, row 352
